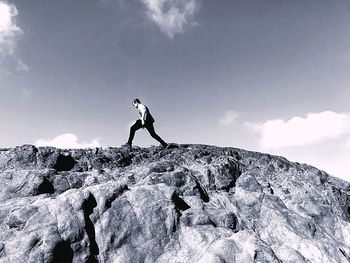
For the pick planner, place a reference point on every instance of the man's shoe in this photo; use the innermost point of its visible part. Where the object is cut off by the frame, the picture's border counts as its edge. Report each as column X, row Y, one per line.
column 170, row 146
column 127, row 145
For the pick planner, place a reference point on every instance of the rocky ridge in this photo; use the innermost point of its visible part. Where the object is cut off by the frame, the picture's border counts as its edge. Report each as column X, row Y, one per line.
column 187, row 203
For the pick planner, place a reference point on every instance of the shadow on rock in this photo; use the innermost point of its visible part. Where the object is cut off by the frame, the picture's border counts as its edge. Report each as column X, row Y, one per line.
column 88, row 207
column 64, row 163
column 62, row 252
column 179, row 203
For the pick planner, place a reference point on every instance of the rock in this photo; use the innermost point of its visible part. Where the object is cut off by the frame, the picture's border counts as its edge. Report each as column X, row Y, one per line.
column 184, row 203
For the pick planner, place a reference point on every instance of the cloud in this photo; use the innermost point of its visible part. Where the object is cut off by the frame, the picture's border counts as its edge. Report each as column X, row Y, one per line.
column 8, row 28
column 172, row 16
column 67, row 140
column 298, row 131
column 9, row 33
column 21, row 66
column 228, row 118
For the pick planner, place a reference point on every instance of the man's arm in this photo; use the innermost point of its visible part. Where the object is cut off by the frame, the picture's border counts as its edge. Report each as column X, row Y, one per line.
column 143, row 112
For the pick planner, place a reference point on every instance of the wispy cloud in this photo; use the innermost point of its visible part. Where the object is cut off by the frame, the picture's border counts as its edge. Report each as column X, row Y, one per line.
column 172, row 16
column 21, row 66
column 9, row 33
column 228, row 118
column 67, row 140
column 298, row 131
column 8, row 29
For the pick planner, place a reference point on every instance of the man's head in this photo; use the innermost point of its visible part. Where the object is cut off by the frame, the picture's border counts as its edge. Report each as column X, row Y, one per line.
column 136, row 102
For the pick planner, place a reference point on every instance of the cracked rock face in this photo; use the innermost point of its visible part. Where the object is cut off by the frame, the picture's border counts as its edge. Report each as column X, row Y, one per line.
column 188, row 203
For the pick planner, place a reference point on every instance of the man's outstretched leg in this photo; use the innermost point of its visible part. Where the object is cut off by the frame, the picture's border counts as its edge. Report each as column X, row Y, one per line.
column 152, row 132
column 137, row 125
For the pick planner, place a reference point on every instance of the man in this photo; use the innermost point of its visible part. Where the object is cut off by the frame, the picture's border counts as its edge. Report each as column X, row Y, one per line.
column 146, row 121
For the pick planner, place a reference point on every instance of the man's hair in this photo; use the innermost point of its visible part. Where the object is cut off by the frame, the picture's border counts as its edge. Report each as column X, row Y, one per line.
column 136, row 101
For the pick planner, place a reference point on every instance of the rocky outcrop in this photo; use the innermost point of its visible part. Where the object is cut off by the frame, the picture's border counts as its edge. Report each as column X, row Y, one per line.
column 187, row 203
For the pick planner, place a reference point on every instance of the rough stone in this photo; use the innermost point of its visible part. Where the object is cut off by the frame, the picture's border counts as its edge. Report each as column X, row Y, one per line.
column 185, row 203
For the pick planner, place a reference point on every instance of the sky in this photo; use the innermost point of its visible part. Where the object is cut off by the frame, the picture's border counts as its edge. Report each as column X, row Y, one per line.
column 268, row 76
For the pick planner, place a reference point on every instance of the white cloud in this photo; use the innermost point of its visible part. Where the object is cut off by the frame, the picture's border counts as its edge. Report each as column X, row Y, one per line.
column 9, row 33
column 21, row 66
column 8, row 28
column 228, row 118
column 314, row 128
column 67, row 140
column 172, row 16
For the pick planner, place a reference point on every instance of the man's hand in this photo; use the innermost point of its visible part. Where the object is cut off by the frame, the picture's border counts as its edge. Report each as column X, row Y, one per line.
column 142, row 122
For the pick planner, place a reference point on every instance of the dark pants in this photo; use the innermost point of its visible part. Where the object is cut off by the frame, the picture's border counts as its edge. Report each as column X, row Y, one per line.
column 150, row 129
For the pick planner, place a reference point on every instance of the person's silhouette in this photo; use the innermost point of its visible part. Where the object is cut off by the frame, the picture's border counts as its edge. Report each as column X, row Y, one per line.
column 146, row 121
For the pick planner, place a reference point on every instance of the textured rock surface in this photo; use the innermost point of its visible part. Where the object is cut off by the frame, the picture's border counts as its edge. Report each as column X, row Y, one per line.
column 189, row 203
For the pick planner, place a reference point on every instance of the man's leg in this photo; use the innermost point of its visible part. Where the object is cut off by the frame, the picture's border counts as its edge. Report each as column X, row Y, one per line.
column 152, row 132
column 137, row 125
